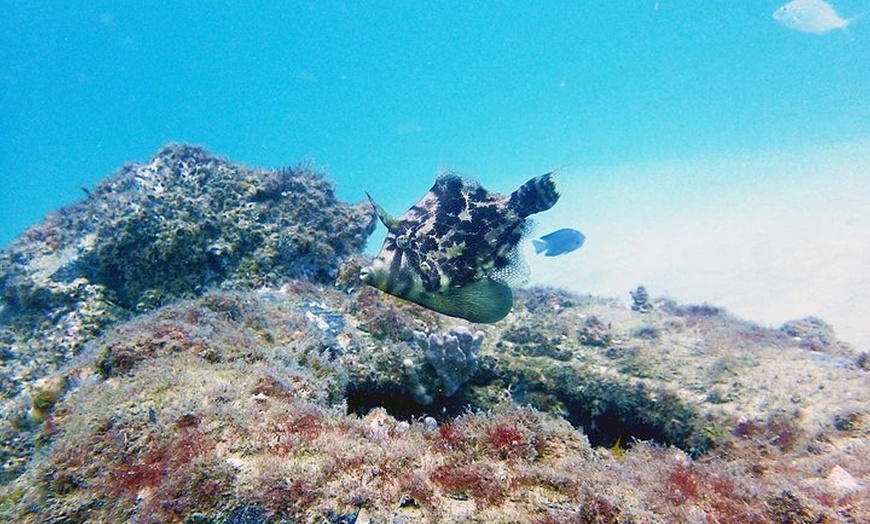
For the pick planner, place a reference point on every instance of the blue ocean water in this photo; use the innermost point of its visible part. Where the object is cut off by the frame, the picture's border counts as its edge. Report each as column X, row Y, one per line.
column 384, row 94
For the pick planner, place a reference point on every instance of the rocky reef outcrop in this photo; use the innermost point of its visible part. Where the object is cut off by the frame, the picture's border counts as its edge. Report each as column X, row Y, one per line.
column 153, row 233
column 236, row 373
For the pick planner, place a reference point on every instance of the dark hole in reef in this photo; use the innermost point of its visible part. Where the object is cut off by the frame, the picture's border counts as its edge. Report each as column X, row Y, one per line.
column 605, row 429
column 401, row 405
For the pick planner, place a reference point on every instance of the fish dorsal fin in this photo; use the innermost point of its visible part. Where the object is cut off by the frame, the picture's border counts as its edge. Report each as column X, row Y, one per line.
column 387, row 219
column 485, row 301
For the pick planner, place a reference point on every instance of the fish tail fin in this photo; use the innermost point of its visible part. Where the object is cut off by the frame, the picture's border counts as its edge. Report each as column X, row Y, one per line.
column 847, row 23
column 536, row 195
column 539, row 244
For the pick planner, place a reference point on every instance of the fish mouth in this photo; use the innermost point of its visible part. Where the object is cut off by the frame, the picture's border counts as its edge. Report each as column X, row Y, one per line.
column 367, row 275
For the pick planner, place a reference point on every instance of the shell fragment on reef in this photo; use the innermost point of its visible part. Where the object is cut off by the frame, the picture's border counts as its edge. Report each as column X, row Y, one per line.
column 454, row 250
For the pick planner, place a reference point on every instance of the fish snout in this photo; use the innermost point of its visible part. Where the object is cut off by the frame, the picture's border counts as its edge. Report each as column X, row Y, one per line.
column 377, row 274
column 374, row 274
column 365, row 274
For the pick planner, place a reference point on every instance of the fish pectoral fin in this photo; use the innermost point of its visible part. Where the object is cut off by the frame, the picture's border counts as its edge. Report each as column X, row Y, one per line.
column 540, row 245
column 484, row 301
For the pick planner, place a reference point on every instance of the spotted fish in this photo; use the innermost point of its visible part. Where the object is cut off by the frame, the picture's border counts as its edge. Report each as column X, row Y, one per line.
column 454, row 250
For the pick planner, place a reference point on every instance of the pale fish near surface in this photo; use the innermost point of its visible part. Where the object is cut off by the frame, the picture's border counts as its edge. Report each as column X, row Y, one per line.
column 811, row 16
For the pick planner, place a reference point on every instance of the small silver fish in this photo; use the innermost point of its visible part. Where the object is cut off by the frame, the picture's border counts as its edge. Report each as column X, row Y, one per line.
column 810, row 16
column 559, row 242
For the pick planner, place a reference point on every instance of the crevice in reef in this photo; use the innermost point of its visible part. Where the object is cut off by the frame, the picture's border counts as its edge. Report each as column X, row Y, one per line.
column 608, row 430
column 605, row 428
column 399, row 404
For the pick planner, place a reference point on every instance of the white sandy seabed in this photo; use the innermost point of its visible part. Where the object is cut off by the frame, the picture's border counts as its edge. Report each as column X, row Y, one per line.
column 770, row 237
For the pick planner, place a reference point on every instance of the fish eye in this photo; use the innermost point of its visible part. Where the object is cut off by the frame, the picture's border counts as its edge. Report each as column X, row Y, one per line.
column 403, row 242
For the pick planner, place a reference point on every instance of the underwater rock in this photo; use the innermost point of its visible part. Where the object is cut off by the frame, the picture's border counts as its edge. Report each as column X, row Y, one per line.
column 331, row 323
column 640, row 300
column 841, row 480
column 45, row 394
column 258, row 432
column 595, row 333
column 814, row 334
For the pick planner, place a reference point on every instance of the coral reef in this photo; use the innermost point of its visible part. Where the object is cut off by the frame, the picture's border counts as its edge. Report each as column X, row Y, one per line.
column 275, row 389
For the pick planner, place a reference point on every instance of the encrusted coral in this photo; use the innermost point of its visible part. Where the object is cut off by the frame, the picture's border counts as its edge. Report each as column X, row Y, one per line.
column 453, row 355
